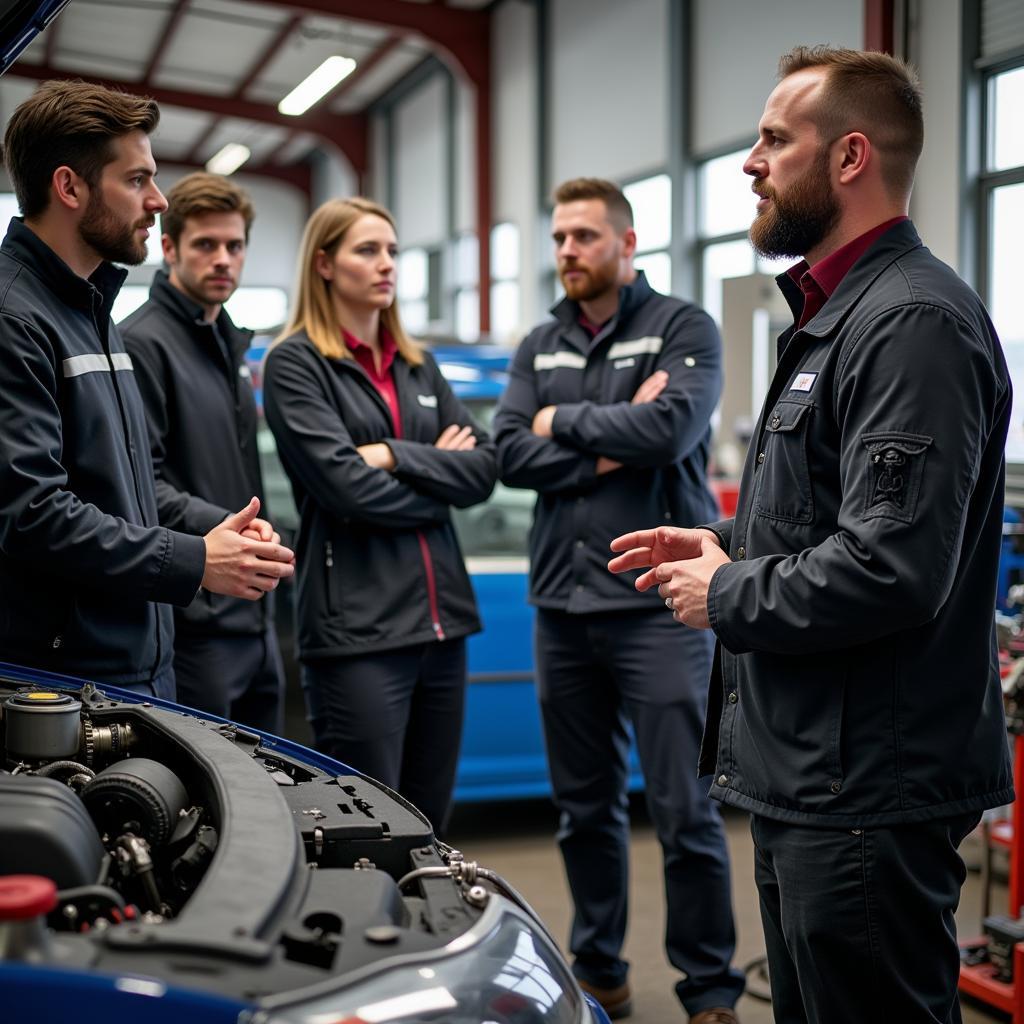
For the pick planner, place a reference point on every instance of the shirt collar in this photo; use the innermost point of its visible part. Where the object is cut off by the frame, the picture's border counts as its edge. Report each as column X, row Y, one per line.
column 818, row 283
column 364, row 354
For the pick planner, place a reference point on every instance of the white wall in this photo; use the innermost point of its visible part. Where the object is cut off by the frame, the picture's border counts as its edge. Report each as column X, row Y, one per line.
column 333, row 178
column 736, row 48
column 421, row 165
column 465, row 157
column 935, row 50
column 607, row 89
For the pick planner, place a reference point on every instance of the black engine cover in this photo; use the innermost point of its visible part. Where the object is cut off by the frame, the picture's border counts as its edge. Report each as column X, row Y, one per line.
column 46, row 830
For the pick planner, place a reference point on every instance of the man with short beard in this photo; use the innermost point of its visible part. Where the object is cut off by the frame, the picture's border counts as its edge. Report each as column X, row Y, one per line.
column 606, row 416
column 855, row 709
column 83, row 561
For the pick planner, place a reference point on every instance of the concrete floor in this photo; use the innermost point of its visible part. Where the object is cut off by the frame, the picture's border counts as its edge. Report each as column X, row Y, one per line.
column 515, row 839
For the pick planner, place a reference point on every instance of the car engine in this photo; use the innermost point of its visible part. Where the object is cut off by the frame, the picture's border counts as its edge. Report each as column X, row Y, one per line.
column 212, row 857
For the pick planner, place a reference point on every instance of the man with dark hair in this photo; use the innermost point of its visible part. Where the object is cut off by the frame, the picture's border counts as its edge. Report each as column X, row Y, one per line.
column 855, row 709
column 189, row 363
column 82, row 559
column 607, row 412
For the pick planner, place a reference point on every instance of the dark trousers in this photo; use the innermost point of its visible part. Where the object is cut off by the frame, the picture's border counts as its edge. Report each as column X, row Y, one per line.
column 395, row 716
column 859, row 923
column 162, row 686
column 238, row 677
column 593, row 673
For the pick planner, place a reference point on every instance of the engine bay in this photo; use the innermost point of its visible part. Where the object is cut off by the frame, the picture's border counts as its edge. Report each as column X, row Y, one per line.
column 212, row 857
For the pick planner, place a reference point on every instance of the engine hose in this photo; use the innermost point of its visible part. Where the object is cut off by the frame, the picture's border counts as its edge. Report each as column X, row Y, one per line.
column 96, row 892
column 428, row 872
column 61, row 766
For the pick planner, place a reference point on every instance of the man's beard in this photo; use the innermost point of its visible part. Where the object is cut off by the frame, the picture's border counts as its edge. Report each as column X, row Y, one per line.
column 112, row 239
column 796, row 223
column 594, row 283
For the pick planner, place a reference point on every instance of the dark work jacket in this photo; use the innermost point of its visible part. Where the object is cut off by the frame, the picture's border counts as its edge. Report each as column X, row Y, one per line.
column 364, row 583
column 663, row 444
column 82, row 557
column 202, row 429
column 856, row 682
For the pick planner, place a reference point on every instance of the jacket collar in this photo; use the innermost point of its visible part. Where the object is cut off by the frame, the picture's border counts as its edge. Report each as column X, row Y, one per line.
column 896, row 242
column 93, row 295
column 190, row 314
column 567, row 311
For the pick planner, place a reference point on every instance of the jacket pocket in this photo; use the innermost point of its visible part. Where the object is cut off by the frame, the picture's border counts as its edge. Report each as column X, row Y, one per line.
column 784, row 481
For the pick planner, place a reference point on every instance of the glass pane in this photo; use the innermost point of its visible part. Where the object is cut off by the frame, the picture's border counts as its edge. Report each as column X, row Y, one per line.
column 414, row 316
column 467, row 315
column 1006, row 147
column 651, row 200
column 466, row 261
column 259, row 309
column 658, row 268
column 1006, row 300
column 154, row 250
column 9, row 209
column 727, row 204
column 727, row 259
column 129, row 298
column 504, row 252
column 505, row 311
column 412, row 274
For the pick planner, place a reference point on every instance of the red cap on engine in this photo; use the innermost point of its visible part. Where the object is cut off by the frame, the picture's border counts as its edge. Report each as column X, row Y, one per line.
column 26, row 896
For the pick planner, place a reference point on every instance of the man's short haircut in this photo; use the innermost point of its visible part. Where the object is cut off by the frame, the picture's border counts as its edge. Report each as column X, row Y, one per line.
column 620, row 213
column 201, row 193
column 68, row 124
column 873, row 93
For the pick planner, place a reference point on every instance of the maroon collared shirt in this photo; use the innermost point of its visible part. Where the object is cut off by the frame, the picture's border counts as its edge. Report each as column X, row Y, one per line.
column 383, row 380
column 820, row 281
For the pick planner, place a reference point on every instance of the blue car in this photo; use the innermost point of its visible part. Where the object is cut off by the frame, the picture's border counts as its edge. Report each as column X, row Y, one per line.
column 502, row 753
column 159, row 866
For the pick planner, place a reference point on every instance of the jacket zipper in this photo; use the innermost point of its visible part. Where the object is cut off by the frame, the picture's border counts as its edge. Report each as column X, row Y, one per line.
column 428, row 568
column 328, row 574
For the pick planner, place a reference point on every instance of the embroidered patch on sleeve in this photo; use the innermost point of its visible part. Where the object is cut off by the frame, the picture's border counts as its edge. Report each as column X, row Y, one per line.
column 895, row 468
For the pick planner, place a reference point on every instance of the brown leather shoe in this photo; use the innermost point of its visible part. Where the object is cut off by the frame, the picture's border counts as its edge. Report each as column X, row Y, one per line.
column 716, row 1015
column 617, row 1002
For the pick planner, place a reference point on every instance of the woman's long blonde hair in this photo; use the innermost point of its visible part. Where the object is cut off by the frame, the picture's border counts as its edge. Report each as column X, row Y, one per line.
column 313, row 310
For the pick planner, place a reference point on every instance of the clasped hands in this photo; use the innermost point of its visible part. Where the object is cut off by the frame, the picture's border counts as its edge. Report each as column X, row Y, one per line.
column 680, row 563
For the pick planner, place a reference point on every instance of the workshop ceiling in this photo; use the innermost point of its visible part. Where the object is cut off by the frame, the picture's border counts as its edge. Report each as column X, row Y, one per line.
column 218, row 68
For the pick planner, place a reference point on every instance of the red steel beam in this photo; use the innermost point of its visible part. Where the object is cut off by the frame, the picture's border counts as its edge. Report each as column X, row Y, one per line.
column 367, row 65
column 879, row 25
column 282, row 36
column 347, row 131
column 167, row 34
column 204, row 137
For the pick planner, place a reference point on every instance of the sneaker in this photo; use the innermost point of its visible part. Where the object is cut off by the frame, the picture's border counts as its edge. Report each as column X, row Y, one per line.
column 617, row 1002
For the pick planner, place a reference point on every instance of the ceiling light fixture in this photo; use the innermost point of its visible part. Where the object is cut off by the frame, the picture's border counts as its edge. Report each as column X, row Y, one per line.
column 316, row 85
column 228, row 159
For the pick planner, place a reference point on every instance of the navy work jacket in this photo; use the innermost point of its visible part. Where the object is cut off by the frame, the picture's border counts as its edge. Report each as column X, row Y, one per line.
column 662, row 445
column 856, row 681
column 82, row 558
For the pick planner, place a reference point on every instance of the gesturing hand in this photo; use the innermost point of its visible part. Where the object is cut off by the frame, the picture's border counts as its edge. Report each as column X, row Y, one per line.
column 647, row 549
column 238, row 564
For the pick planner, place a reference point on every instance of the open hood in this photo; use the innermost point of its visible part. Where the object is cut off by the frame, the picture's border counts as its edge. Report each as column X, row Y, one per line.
column 20, row 22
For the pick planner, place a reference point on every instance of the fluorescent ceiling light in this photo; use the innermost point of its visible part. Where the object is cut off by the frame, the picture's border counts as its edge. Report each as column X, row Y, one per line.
column 316, row 85
column 228, row 159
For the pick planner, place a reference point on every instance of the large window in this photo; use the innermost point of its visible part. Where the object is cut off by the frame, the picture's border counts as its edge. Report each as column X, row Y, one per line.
column 726, row 206
column 505, row 325
column 651, row 199
column 1002, row 190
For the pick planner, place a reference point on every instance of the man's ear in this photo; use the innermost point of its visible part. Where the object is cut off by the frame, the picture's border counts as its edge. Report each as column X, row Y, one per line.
column 170, row 250
column 628, row 243
column 69, row 188
column 855, row 154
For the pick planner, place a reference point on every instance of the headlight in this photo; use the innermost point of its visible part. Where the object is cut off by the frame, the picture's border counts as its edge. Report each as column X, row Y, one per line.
column 502, row 971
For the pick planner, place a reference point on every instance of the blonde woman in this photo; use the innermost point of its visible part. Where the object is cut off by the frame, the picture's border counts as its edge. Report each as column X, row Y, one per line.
column 377, row 449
